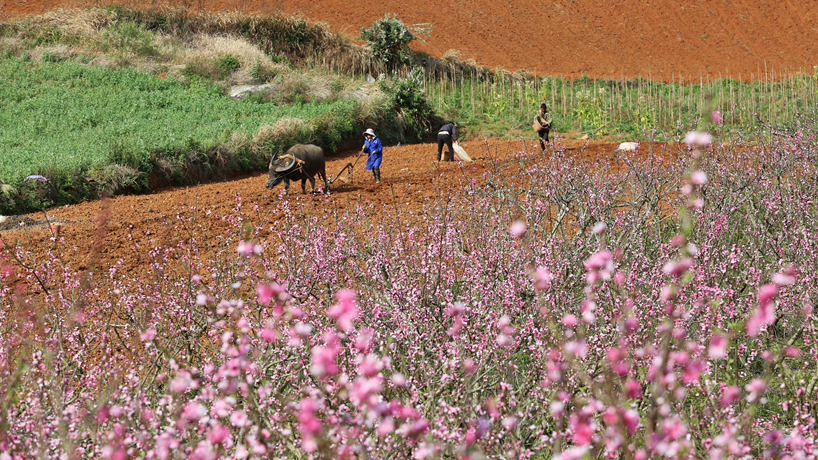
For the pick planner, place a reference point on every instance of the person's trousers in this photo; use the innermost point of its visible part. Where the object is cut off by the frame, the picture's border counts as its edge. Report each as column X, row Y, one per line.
column 376, row 173
column 543, row 135
column 445, row 139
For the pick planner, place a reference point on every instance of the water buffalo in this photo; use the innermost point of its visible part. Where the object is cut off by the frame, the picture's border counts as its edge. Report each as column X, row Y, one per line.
column 301, row 161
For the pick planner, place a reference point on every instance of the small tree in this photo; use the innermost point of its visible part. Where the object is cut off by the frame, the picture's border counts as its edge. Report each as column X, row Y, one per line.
column 389, row 40
column 413, row 114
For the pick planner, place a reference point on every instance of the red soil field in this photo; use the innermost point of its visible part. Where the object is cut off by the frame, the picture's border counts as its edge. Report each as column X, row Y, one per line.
column 136, row 223
column 657, row 39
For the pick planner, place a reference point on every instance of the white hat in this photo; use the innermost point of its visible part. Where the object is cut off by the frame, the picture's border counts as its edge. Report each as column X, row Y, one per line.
column 370, row 132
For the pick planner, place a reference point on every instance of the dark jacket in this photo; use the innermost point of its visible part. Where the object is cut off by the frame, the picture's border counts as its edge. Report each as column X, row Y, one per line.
column 449, row 128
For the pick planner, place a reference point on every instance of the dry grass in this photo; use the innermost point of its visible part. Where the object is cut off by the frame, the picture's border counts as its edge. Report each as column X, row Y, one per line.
column 451, row 55
column 285, row 128
column 13, row 45
column 72, row 21
column 210, row 48
column 58, row 52
column 369, row 96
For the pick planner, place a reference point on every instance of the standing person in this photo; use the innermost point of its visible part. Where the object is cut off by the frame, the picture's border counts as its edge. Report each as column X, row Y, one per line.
column 374, row 148
column 543, row 120
column 445, row 135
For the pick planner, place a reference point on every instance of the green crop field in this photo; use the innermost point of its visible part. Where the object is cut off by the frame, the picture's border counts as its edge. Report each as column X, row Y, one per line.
column 68, row 121
column 68, row 117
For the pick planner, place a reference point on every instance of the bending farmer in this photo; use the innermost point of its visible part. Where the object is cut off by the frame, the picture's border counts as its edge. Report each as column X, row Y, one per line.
column 542, row 124
column 445, row 135
column 374, row 148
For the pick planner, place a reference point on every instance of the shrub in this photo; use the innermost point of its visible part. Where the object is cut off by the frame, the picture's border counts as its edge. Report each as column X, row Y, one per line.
column 413, row 114
column 129, row 36
column 227, row 64
column 389, row 39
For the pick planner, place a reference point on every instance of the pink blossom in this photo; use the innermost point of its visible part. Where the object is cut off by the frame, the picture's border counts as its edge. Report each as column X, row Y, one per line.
column 576, row 348
column 504, row 340
column 610, row 416
column 557, row 408
column 182, row 382
column 218, row 434
column 417, row 428
column 767, row 293
column 517, row 229
column 677, row 269
column 599, row 260
column 193, row 411
column 268, row 334
column 370, row 366
column 570, row 320
column 698, row 139
column 698, row 177
column 386, row 427
column 220, row 408
column 582, row 428
column 398, row 379
column 248, row 248
column 345, row 310
column 764, row 314
column 785, row 277
column 542, row 278
column 308, row 424
column 573, row 453
column 631, row 419
column 469, row 366
column 729, row 395
column 667, row 293
column 633, row 389
column 674, row 427
column 148, row 335
column 365, row 391
column 267, row 292
column 692, row 371
column 239, row 419
column 755, row 389
column 792, row 352
column 323, row 357
column 717, row 118
column 718, row 347
column 509, row 422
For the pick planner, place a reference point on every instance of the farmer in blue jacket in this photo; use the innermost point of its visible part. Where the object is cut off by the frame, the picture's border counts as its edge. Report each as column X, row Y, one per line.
column 374, row 148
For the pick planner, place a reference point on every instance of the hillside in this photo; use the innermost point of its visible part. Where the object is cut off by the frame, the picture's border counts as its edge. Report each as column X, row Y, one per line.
column 625, row 38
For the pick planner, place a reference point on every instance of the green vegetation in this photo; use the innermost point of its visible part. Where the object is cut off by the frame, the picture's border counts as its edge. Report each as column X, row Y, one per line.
column 117, row 99
column 129, row 36
column 84, row 126
column 507, row 103
column 120, row 100
column 409, row 103
column 389, row 40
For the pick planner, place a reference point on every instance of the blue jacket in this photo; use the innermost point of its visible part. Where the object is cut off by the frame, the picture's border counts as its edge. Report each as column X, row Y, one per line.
column 375, row 150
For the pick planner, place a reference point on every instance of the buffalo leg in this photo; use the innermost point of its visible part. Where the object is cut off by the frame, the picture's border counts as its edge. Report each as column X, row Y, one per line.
column 286, row 186
column 312, row 183
column 323, row 173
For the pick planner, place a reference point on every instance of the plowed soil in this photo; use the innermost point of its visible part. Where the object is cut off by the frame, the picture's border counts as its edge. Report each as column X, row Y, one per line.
column 135, row 224
column 658, row 39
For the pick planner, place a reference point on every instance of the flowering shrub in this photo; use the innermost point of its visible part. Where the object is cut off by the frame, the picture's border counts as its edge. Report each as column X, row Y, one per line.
column 655, row 308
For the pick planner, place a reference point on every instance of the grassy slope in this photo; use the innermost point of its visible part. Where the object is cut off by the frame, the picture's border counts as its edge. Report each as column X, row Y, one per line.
column 67, row 116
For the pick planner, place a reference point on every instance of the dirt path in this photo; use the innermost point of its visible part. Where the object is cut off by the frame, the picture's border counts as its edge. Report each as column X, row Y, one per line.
column 662, row 39
column 136, row 224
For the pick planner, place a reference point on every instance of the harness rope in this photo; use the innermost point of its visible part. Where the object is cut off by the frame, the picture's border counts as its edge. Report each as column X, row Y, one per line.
column 330, row 180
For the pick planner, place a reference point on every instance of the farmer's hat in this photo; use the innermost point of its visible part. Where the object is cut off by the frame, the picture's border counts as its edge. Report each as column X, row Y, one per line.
column 370, row 132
